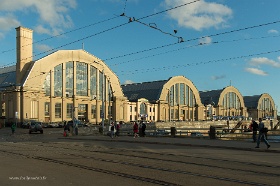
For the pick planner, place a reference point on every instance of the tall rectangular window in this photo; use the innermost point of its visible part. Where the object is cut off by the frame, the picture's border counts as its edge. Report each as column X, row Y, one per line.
column 57, row 110
column 47, row 85
column 171, row 99
column 47, row 108
column 81, row 79
column 176, row 93
column 187, row 96
column 191, row 99
column 93, row 82
column 58, row 80
column 69, row 79
column 182, row 94
column 93, row 111
column 69, row 113
column 100, row 86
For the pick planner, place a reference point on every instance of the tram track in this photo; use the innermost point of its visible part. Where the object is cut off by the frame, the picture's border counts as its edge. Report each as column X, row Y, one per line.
column 138, row 165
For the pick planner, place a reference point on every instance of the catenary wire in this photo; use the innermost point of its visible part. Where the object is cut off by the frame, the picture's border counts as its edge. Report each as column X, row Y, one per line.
column 104, row 31
column 191, row 46
column 196, row 63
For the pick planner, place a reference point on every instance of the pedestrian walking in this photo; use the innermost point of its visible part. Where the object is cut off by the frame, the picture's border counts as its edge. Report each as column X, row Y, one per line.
column 135, row 130
column 118, row 127
column 254, row 127
column 143, row 129
column 262, row 134
column 112, row 128
column 13, row 127
column 271, row 124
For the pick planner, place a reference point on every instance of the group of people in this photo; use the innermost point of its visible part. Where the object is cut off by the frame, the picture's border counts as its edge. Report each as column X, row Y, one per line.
column 255, row 127
column 138, row 129
column 115, row 129
column 141, row 127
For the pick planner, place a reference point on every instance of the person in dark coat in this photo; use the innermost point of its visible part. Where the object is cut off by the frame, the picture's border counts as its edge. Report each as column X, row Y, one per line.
column 143, row 129
column 254, row 128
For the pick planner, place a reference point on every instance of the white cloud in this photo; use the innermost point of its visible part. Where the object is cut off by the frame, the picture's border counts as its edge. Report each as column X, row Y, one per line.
column 218, row 77
column 42, row 30
column 52, row 13
column 8, row 22
column 272, row 31
column 199, row 15
column 128, row 82
column 256, row 71
column 205, row 40
column 43, row 47
column 264, row 61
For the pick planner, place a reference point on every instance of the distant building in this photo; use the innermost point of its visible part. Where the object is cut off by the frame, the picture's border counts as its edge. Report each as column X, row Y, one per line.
column 261, row 106
column 169, row 100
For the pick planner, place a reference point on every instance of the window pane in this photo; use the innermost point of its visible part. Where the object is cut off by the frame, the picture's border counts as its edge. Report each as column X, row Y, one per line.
column 47, row 109
column 69, row 79
column 81, row 79
column 69, row 110
column 58, row 110
column 58, row 80
column 93, row 81
column 47, row 85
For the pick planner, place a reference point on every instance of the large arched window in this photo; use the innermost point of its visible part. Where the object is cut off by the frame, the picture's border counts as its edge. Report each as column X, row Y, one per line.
column 180, row 93
column 143, row 110
column 231, row 100
column 88, row 79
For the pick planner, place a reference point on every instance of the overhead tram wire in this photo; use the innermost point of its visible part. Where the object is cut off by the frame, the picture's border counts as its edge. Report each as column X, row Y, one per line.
column 64, row 33
column 196, row 63
column 106, row 31
column 191, row 46
column 124, row 6
column 102, row 22
column 56, row 48
column 193, row 39
column 153, row 26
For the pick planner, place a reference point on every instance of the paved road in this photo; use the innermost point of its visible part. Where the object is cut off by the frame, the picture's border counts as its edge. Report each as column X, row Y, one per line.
column 50, row 159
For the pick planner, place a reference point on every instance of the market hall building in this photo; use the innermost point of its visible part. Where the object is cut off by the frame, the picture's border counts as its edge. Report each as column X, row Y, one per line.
column 75, row 83
column 59, row 86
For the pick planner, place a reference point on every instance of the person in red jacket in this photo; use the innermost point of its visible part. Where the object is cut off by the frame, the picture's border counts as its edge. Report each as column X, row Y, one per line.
column 135, row 130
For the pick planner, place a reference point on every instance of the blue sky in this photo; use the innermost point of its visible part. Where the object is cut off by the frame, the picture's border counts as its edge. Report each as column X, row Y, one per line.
column 218, row 42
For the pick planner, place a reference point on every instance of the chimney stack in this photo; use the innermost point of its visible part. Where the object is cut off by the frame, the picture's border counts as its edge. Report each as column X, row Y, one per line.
column 24, row 51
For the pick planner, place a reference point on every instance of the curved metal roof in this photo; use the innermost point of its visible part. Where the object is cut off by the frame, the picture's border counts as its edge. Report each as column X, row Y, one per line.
column 251, row 102
column 7, row 77
column 210, row 97
column 148, row 90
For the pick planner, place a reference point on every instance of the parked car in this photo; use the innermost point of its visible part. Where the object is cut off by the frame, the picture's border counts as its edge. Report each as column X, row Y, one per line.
column 35, row 127
column 25, row 125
